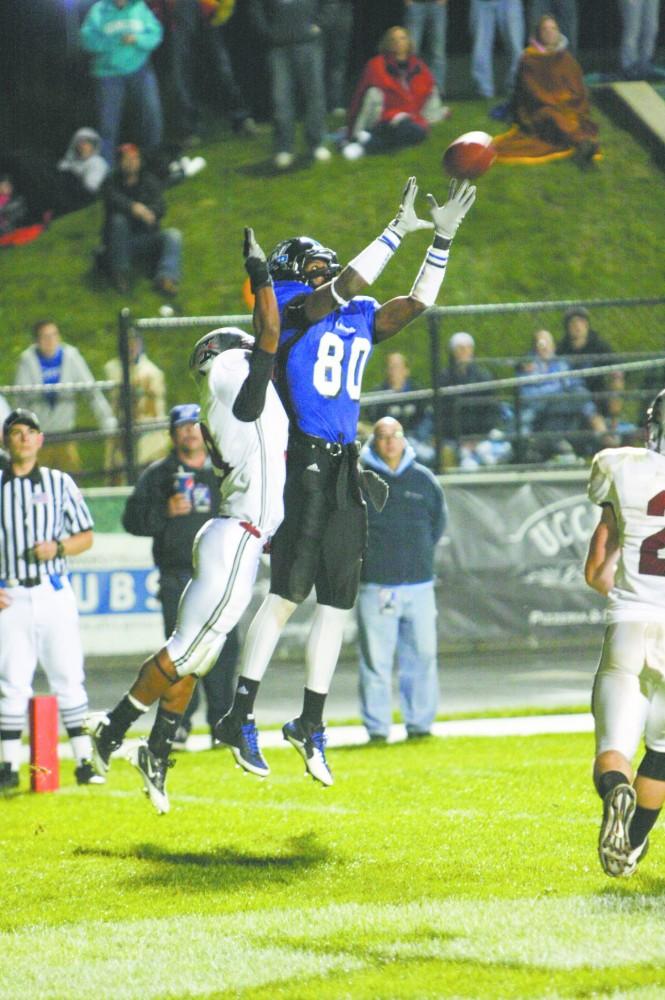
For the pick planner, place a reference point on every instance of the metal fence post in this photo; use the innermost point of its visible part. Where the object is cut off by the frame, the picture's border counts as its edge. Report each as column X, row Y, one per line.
column 435, row 369
column 127, row 426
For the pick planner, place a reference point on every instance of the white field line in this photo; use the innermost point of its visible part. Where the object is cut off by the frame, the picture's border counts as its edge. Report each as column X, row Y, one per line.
column 346, row 736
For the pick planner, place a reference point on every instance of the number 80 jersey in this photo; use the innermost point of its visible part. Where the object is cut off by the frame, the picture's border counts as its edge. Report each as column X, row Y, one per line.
column 632, row 480
column 319, row 377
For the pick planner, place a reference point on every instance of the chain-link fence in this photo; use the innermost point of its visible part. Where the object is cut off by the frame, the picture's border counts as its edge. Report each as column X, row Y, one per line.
column 615, row 388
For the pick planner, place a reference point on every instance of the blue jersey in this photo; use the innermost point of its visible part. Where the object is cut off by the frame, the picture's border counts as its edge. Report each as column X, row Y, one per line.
column 320, row 377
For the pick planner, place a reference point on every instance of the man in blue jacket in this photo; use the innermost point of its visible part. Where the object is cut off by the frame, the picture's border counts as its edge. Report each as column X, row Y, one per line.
column 396, row 605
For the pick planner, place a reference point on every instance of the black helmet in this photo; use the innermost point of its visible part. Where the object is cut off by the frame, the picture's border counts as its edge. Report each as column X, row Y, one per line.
column 656, row 423
column 287, row 261
column 216, row 342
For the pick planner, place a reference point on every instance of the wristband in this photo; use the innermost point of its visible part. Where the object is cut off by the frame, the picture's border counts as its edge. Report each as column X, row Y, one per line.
column 335, row 294
column 371, row 261
column 60, row 550
column 430, row 276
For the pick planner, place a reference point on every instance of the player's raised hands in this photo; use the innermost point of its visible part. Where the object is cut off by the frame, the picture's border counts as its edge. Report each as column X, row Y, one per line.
column 406, row 220
column 255, row 261
column 446, row 218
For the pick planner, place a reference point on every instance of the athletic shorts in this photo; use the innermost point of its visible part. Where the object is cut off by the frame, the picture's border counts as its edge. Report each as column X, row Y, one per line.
column 629, row 689
column 321, row 541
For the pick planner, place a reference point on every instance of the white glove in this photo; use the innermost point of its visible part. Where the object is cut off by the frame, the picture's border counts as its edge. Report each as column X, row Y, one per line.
column 448, row 217
column 406, row 220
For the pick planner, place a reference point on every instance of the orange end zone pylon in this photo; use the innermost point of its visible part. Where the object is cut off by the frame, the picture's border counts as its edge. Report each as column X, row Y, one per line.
column 44, row 763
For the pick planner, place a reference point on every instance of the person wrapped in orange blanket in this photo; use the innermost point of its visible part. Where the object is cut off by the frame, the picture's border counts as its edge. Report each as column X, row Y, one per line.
column 550, row 106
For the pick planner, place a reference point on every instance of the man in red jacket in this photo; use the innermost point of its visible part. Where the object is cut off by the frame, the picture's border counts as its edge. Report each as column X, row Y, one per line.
column 395, row 101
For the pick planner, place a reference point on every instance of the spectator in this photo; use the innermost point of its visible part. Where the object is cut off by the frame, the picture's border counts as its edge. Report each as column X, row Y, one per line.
column 485, row 17
column 13, row 209
column 559, row 406
column 550, row 107
column 566, row 14
column 293, row 36
column 639, row 34
column 415, row 415
column 619, row 430
column 57, row 188
column 396, row 603
column 134, row 205
column 173, row 513
column 395, row 101
column 427, row 21
column 49, row 362
column 121, row 34
column 335, row 19
column 197, row 35
column 583, row 347
column 465, row 416
column 148, row 404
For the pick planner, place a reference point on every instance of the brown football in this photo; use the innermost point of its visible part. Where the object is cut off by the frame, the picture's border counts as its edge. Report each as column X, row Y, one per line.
column 471, row 155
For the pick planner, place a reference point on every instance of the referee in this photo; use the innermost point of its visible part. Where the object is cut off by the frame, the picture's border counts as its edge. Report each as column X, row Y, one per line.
column 43, row 519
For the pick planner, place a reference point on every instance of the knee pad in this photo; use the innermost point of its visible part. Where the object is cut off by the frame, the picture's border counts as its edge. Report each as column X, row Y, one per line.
column 652, row 765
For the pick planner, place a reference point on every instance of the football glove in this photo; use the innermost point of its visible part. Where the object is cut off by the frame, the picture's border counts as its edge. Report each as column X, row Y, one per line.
column 256, row 264
column 406, row 220
column 447, row 217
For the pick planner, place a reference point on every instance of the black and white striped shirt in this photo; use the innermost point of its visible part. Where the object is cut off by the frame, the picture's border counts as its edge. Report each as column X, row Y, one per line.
column 44, row 506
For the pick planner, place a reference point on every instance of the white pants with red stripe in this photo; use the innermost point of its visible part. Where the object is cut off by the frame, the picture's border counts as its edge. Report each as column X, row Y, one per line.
column 226, row 560
column 41, row 625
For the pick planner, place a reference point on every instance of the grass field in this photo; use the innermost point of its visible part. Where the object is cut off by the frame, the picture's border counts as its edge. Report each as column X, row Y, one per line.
column 452, row 868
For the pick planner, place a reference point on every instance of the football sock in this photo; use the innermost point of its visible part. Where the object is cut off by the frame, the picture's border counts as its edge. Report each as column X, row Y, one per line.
column 263, row 634
column 243, row 702
column 610, row 779
column 81, row 745
column 323, row 645
column 160, row 741
column 10, row 745
column 641, row 824
column 122, row 716
column 312, row 707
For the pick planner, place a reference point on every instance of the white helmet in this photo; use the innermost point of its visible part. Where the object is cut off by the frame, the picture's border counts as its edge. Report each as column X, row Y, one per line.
column 206, row 349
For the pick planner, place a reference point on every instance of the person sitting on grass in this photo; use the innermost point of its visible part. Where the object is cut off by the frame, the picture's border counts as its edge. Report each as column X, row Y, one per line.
column 395, row 102
column 550, row 106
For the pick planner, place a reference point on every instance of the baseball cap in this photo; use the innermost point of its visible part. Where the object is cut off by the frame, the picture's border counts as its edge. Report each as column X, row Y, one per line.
column 20, row 416
column 184, row 413
column 461, row 339
column 576, row 311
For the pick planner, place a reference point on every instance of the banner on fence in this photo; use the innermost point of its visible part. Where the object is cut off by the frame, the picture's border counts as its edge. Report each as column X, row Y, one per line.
column 508, row 569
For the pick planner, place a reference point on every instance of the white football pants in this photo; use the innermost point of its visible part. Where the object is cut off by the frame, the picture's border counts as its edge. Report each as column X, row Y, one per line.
column 629, row 689
column 41, row 625
column 226, row 559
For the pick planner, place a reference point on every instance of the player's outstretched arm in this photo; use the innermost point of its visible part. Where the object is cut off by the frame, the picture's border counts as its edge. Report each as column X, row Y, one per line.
column 603, row 554
column 394, row 315
column 266, row 310
column 364, row 269
column 251, row 398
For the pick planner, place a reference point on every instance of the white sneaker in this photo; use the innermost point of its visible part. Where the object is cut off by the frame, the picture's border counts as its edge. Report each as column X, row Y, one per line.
column 613, row 840
column 353, row 151
column 362, row 136
column 283, row 160
column 191, row 167
column 321, row 154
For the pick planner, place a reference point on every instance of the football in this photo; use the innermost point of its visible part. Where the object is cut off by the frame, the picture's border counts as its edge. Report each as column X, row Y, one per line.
column 471, row 155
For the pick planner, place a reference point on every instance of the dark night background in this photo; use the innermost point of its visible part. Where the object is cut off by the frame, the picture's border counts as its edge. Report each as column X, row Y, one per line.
column 46, row 92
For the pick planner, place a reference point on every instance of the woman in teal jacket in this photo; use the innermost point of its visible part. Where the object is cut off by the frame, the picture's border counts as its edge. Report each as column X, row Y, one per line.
column 121, row 34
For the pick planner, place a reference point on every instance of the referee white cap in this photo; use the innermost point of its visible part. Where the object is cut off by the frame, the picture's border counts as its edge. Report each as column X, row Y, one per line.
column 20, row 416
